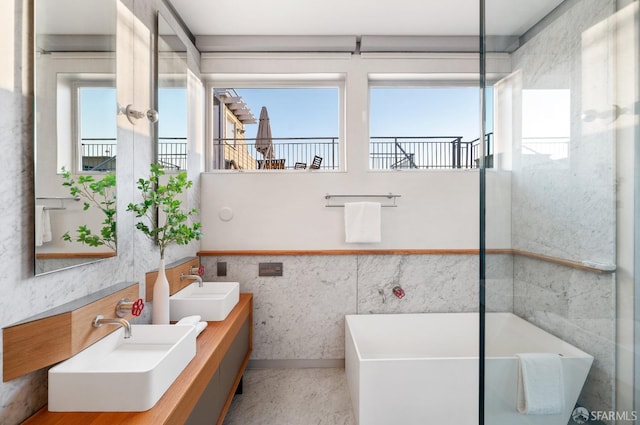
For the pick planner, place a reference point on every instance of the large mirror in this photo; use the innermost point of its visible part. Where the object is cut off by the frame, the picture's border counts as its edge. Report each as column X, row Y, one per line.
column 171, row 98
column 75, row 132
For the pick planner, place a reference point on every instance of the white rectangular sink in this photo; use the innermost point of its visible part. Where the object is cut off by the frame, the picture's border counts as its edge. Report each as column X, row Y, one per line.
column 122, row 375
column 212, row 302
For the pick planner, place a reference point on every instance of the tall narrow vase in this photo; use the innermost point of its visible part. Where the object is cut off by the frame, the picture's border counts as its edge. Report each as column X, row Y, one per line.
column 160, row 312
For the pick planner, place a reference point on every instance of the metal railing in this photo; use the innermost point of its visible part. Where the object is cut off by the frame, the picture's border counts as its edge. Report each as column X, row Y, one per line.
column 98, row 156
column 385, row 153
column 292, row 150
column 172, row 153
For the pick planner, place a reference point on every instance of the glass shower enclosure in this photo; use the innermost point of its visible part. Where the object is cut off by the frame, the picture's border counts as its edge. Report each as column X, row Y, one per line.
column 559, row 204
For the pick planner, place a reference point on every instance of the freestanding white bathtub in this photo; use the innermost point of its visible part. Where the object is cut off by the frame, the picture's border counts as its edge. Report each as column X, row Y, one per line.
column 422, row 369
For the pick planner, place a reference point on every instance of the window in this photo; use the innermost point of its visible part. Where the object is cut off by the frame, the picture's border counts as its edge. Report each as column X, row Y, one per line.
column 172, row 127
column 424, row 127
column 304, row 124
column 96, row 128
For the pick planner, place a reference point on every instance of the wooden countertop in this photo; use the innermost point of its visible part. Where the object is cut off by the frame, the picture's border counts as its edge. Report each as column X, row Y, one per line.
column 177, row 403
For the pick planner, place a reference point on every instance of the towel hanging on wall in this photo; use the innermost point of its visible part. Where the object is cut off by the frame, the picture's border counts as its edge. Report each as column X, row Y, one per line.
column 43, row 225
column 362, row 222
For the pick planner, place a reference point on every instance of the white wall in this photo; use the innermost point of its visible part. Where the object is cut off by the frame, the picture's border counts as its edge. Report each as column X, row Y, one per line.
column 287, row 210
column 438, row 209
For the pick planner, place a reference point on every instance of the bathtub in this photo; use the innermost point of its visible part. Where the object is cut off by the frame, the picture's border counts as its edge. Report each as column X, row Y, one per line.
column 418, row 369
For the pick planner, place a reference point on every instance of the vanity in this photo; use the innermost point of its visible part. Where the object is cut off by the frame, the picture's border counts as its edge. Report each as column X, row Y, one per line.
column 202, row 393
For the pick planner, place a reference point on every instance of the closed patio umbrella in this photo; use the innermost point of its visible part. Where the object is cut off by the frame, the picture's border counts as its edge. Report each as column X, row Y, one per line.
column 264, row 143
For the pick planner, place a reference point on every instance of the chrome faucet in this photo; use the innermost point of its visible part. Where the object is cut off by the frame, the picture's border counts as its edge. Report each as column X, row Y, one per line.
column 192, row 276
column 101, row 320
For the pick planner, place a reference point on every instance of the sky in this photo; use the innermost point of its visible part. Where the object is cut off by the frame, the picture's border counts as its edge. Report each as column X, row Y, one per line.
column 172, row 110
column 295, row 112
column 97, row 117
column 314, row 112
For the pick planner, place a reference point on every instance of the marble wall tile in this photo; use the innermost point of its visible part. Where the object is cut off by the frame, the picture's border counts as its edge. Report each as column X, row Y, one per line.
column 564, row 205
column 301, row 314
column 432, row 284
column 576, row 306
column 499, row 283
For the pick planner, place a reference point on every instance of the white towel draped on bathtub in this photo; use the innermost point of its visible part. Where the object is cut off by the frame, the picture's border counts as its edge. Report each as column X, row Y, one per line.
column 362, row 222
column 540, row 384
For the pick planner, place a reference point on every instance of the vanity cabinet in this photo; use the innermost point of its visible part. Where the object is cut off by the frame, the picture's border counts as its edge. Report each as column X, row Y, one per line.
column 223, row 385
column 201, row 394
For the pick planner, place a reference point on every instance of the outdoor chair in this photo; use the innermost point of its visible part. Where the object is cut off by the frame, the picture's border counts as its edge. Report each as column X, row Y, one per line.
column 273, row 164
column 315, row 164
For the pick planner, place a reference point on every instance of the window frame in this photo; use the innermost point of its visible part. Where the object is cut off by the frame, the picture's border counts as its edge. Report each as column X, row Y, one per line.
column 275, row 81
column 76, row 85
column 417, row 81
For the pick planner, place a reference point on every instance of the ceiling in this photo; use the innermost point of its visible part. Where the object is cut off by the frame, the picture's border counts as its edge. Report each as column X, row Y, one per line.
column 359, row 17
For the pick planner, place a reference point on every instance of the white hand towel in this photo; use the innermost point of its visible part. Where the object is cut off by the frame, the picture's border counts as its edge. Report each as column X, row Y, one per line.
column 46, row 226
column 39, row 224
column 189, row 320
column 362, row 222
column 540, row 384
column 200, row 327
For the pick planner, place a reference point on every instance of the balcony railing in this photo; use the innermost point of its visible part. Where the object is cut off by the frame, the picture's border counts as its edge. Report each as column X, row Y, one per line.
column 172, row 153
column 97, row 156
column 292, row 150
column 385, row 153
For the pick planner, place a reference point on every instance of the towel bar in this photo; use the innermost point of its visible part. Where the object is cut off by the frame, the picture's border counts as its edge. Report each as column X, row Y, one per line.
column 60, row 199
column 388, row 196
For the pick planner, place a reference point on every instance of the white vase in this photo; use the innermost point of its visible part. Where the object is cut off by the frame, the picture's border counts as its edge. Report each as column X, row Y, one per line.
column 160, row 311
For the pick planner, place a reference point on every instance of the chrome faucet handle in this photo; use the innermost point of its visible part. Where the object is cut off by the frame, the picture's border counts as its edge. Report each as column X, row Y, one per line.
column 124, row 306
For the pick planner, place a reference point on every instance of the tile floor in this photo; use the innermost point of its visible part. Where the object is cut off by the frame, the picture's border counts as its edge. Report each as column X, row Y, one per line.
column 296, row 397
column 292, row 397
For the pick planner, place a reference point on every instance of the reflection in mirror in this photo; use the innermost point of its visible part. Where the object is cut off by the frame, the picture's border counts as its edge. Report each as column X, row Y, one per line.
column 75, row 132
column 171, row 98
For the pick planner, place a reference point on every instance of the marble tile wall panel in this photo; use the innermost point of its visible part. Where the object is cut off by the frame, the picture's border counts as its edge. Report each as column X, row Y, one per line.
column 578, row 307
column 433, row 284
column 301, row 314
column 564, row 205
column 499, row 283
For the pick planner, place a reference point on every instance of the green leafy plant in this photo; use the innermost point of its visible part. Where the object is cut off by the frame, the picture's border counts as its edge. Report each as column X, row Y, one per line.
column 157, row 197
column 100, row 194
